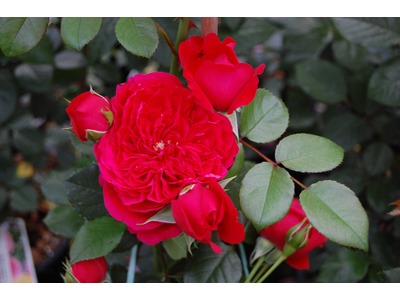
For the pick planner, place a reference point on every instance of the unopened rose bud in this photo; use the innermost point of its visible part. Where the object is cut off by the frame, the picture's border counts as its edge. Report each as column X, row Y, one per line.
column 90, row 115
column 90, row 271
column 296, row 238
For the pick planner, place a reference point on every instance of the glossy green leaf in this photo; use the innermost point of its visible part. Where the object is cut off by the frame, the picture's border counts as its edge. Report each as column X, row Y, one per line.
column 377, row 158
column 42, row 54
column 8, row 95
column 96, row 238
column 370, row 32
column 335, row 211
column 238, row 164
column 176, row 247
column 347, row 130
column 207, row 266
column 308, row 153
column 265, row 119
column 266, row 195
column 384, row 85
column 64, row 220
column 34, row 78
column 104, row 40
column 350, row 56
column 321, row 79
column 20, row 35
column 54, row 189
column 24, row 199
column 138, row 35
column 85, row 193
column 77, row 32
column 344, row 265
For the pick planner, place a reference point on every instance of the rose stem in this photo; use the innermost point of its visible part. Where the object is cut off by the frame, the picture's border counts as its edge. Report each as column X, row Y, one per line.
column 271, row 161
column 164, row 265
column 166, row 38
column 244, row 260
column 209, row 25
column 253, row 272
column 274, row 266
column 182, row 34
column 262, row 271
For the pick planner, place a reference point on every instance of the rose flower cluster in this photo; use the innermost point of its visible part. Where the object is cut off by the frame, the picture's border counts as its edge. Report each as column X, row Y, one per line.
column 164, row 146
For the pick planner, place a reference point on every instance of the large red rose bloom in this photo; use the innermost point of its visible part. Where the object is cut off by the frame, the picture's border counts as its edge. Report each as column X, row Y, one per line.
column 162, row 140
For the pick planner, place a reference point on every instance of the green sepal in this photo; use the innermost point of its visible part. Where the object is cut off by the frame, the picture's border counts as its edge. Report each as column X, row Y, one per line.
column 263, row 246
column 94, row 135
column 109, row 115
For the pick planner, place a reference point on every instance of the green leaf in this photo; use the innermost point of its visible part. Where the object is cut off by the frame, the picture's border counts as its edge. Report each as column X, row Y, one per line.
column 43, row 53
column 64, row 220
column 77, row 32
column 54, row 189
column 20, row 35
column 377, row 158
column 266, row 195
column 163, row 216
column 24, row 199
column 392, row 276
column 304, row 152
column 128, row 240
column 96, row 238
column 176, row 247
column 8, row 95
column 321, row 79
column 85, row 193
column 347, row 130
column 34, row 78
column 345, row 266
column 370, row 32
column 85, row 148
column 207, row 266
column 335, row 211
column 104, row 40
column 252, row 32
column 238, row 164
column 234, row 186
column 137, row 35
column 265, row 119
column 384, row 85
column 380, row 193
column 350, row 56
column 29, row 141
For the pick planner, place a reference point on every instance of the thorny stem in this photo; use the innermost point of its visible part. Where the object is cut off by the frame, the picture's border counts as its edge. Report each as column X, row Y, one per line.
column 270, row 161
column 182, row 34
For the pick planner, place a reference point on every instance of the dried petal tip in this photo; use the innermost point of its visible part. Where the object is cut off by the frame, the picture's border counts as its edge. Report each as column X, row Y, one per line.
column 66, row 100
column 396, row 211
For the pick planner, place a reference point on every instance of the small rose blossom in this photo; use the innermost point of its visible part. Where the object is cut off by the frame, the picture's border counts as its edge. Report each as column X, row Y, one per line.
column 202, row 210
column 88, row 116
column 162, row 140
column 276, row 233
column 215, row 74
column 90, row 271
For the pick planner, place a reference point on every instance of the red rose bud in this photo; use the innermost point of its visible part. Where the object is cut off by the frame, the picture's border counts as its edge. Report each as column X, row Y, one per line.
column 90, row 115
column 276, row 233
column 215, row 74
column 90, row 271
column 201, row 210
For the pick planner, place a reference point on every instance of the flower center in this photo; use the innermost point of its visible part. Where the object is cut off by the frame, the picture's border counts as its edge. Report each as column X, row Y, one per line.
column 159, row 146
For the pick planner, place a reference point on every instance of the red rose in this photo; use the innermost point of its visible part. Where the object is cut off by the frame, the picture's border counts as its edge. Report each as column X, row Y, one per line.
column 162, row 140
column 276, row 234
column 86, row 113
column 201, row 210
column 90, row 271
column 215, row 74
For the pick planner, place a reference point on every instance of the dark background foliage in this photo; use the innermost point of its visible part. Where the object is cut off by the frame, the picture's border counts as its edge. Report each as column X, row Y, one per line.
column 339, row 78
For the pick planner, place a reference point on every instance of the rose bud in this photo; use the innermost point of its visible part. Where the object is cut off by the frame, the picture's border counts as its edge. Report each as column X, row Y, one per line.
column 90, row 115
column 90, row 271
column 201, row 210
column 215, row 75
column 276, row 233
